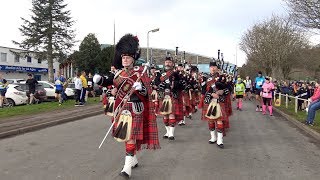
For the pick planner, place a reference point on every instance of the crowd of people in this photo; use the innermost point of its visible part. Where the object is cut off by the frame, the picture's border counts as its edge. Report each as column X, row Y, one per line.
column 83, row 88
column 265, row 89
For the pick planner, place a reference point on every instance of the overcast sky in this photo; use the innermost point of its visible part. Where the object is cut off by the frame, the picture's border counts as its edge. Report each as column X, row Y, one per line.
column 197, row 26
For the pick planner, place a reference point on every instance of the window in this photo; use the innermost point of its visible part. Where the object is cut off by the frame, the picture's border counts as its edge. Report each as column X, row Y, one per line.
column 16, row 58
column 45, row 85
column 29, row 59
column 39, row 61
column 3, row 57
column 18, row 88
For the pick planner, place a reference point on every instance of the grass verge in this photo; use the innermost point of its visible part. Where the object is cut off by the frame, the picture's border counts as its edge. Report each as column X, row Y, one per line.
column 301, row 115
column 39, row 108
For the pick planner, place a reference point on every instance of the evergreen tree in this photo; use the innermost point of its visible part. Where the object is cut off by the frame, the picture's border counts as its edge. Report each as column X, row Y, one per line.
column 49, row 33
column 88, row 56
column 105, row 60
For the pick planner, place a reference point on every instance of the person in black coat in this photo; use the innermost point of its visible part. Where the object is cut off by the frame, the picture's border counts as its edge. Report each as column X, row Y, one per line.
column 32, row 84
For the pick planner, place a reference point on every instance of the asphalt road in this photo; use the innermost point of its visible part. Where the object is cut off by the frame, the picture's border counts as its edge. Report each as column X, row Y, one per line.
column 256, row 147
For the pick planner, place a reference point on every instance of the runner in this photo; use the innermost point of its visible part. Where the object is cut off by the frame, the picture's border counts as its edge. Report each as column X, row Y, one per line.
column 266, row 93
column 239, row 90
column 258, row 87
column 248, row 84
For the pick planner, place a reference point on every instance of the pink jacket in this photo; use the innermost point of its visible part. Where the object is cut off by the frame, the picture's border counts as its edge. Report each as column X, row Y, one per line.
column 266, row 90
column 316, row 95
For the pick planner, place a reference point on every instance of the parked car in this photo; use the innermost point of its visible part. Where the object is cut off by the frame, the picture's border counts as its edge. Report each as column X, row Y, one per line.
column 40, row 92
column 96, row 88
column 14, row 81
column 50, row 89
column 15, row 95
column 72, row 86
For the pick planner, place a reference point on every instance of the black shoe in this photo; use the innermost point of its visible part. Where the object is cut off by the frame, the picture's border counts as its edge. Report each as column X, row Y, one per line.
column 165, row 137
column 171, row 138
column 195, row 110
column 135, row 166
column 210, row 142
column 124, row 174
column 220, row 146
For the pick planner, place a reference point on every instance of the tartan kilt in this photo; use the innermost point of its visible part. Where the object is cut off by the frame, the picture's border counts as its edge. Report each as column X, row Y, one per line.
column 186, row 103
column 228, row 105
column 137, row 123
column 156, row 106
column 223, row 117
column 195, row 98
column 177, row 107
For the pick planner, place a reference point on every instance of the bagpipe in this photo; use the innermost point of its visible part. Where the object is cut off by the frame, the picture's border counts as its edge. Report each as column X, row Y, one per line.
column 214, row 110
column 123, row 117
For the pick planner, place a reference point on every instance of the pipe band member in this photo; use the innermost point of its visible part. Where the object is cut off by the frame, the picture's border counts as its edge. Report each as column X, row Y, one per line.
column 136, row 126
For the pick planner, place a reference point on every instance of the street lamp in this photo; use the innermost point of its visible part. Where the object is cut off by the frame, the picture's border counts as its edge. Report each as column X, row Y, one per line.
column 154, row 30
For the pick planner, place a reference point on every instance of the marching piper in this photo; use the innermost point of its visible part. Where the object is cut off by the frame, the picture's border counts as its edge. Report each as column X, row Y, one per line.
column 134, row 118
column 213, row 108
column 170, row 97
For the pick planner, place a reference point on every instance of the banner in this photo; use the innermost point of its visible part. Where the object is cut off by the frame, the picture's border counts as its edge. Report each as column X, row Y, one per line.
column 23, row 69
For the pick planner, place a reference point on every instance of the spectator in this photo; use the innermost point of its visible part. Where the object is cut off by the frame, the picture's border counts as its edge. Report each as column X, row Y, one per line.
column 295, row 88
column 285, row 89
column 277, row 89
column 32, row 83
column 65, row 85
column 310, row 91
column 90, row 87
column 84, row 87
column 58, row 82
column 78, row 88
column 314, row 105
column 3, row 90
column 303, row 94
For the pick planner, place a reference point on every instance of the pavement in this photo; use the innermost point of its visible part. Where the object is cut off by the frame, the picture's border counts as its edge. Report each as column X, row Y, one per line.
column 256, row 147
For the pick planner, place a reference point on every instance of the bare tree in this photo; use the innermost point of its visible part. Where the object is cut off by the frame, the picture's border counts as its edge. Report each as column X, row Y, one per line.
column 269, row 45
column 306, row 13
